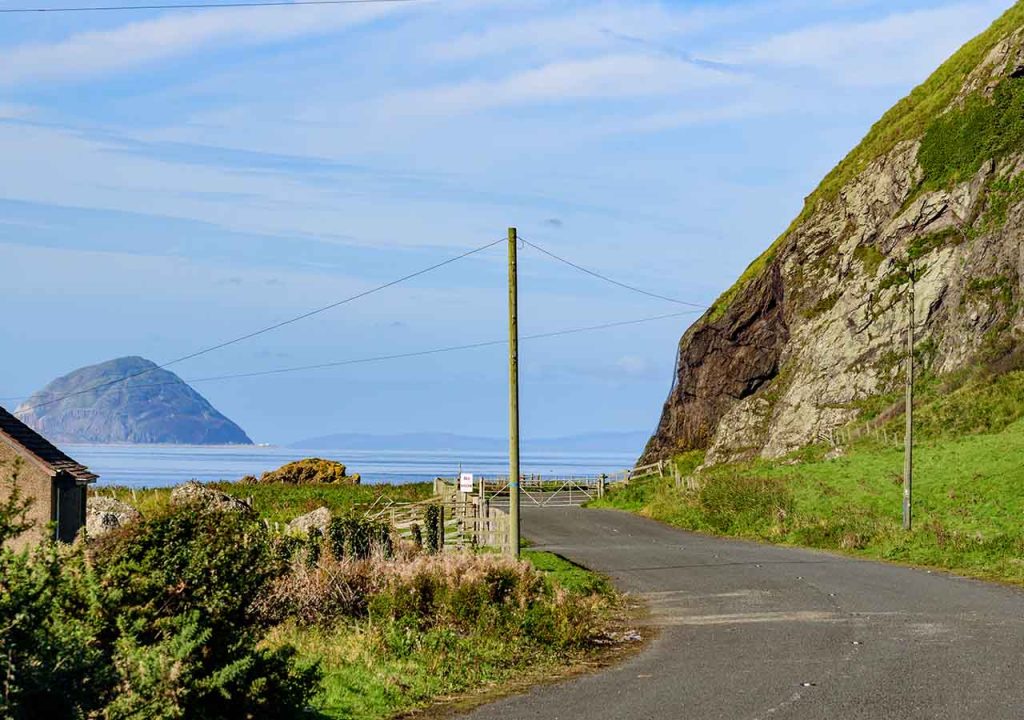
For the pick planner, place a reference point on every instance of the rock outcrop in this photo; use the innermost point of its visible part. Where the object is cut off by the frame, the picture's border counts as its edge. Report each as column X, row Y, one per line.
column 311, row 471
column 206, row 498
column 319, row 519
column 128, row 400
column 104, row 514
column 819, row 323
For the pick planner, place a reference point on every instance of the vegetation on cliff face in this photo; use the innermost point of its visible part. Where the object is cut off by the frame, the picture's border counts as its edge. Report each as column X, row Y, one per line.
column 955, row 144
column 127, row 400
column 909, row 119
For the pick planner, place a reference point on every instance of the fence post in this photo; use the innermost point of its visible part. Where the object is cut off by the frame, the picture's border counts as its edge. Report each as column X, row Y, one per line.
column 440, row 528
column 600, row 484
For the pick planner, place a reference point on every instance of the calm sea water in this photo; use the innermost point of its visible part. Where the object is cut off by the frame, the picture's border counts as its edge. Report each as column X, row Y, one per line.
column 164, row 465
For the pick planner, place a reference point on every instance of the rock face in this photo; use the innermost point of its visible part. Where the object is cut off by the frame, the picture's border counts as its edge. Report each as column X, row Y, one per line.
column 150, row 406
column 103, row 514
column 311, row 471
column 819, row 323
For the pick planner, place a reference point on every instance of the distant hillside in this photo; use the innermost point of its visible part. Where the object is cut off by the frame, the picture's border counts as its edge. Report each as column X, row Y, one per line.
column 626, row 442
column 154, row 407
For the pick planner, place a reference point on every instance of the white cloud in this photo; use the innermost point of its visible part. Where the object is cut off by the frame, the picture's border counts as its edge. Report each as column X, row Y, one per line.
column 130, row 46
column 635, row 366
column 584, row 28
column 610, row 76
column 687, row 117
column 13, row 111
column 896, row 49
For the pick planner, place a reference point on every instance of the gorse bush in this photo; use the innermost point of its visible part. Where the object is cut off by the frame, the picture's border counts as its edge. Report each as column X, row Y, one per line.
column 178, row 588
column 432, row 519
column 50, row 627
column 352, row 537
column 156, row 622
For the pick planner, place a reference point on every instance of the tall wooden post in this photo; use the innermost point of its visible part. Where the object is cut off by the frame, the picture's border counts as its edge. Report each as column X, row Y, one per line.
column 908, row 440
column 513, row 392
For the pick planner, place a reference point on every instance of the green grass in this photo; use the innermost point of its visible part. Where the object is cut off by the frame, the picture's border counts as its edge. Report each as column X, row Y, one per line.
column 909, row 119
column 968, row 487
column 381, row 671
column 957, row 143
column 568, row 575
column 285, row 501
column 968, row 503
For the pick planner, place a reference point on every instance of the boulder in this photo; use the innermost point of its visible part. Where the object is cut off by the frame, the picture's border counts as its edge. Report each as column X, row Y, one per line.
column 311, row 471
column 319, row 519
column 103, row 514
column 195, row 493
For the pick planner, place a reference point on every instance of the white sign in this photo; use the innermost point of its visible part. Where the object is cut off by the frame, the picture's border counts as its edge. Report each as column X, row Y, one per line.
column 466, row 482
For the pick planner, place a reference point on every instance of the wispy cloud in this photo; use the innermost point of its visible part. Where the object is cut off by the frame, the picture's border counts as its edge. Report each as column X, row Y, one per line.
column 896, row 49
column 136, row 44
column 11, row 111
column 610, row 76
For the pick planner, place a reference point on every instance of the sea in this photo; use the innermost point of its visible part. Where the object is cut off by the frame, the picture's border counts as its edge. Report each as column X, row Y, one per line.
column 151, row 466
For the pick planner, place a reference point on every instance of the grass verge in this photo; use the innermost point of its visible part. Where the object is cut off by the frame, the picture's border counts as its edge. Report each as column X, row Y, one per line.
column 968, row 502
column 387, row 665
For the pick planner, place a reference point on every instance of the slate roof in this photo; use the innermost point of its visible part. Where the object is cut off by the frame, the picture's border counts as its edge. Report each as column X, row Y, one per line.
column 41, row 448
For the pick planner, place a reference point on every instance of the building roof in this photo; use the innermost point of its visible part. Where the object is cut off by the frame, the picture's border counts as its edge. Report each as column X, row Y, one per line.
column 42, row 449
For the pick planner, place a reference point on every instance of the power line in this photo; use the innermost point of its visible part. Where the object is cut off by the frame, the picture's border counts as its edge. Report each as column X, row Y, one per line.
column 271, row 328
column 437, row 351
column 607, row 279
column 196, row 6
column 398, row 356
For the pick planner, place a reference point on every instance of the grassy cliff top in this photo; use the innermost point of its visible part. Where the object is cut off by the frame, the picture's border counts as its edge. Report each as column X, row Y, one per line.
column 907, row 120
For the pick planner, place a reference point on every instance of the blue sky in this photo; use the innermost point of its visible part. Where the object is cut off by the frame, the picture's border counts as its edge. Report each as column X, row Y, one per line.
column 173, row 178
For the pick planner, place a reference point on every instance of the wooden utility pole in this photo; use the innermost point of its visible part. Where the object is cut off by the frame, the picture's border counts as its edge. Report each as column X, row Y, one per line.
column 513, row 392
column 908, row 440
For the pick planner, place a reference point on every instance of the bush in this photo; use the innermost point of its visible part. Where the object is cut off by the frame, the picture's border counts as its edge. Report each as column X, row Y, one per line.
column 178, row 588
column 157, row 623
column 49, row 632
column 467, row 592
column 737, row 503
column 351, row 537
column 432, row 519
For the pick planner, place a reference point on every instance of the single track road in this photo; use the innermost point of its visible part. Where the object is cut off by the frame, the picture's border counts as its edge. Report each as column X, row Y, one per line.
column 748, row 631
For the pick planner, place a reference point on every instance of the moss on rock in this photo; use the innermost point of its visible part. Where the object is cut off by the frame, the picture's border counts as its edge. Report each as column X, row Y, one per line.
column 311, row 471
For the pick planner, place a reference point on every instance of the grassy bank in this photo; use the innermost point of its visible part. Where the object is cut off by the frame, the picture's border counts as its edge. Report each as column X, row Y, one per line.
column 391, row 663
column 968, row 498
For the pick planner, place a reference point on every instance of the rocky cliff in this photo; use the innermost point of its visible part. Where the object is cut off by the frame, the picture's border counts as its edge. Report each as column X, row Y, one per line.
column 150, row 406
column 816, row 327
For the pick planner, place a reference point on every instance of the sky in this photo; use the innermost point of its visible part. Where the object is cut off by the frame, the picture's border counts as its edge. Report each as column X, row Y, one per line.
column 171, row 179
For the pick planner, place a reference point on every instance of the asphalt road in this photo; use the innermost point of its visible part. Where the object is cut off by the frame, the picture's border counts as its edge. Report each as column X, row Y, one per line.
column 746, row 631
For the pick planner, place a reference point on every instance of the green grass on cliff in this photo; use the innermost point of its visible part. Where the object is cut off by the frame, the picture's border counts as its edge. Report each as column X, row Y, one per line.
column 968, row 491
column 909, row 119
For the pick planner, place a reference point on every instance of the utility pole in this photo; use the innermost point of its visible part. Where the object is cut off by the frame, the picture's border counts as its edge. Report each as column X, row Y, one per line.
column 908, row 441
column 513, row 392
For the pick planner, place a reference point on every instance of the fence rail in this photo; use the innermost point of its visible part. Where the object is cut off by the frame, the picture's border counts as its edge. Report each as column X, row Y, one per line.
column 480, row 518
